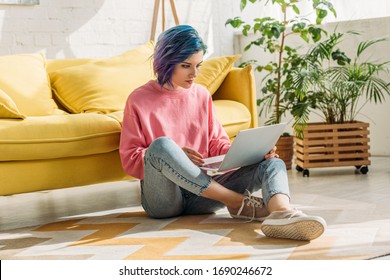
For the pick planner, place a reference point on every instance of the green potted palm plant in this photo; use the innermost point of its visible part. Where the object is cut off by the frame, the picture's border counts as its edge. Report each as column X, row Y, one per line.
column 335, row 87
column 271, row 37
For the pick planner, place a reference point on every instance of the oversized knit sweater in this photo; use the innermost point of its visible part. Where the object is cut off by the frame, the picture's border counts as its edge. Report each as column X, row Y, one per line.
column 186, row 116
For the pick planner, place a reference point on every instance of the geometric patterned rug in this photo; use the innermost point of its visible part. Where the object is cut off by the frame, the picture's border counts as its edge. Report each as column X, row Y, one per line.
column 128, row 234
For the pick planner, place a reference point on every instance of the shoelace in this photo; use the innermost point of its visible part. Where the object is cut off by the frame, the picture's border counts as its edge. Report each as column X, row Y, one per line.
column 251, row 201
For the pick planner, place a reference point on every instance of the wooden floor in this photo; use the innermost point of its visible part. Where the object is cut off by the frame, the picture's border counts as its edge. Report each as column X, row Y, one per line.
column 359, row 197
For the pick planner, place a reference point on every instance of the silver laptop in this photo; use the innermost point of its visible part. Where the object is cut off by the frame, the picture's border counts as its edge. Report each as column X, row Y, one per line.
column 249, row 147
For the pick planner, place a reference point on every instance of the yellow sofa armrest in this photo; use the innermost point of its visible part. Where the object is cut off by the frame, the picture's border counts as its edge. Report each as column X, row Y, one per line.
column 239, row 85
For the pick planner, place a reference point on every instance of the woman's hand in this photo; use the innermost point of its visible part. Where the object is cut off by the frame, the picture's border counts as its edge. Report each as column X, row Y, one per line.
column 194, row 156
column 271, row 154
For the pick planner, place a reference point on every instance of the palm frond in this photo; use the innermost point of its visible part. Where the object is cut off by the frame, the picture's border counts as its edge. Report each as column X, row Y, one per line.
column 366, row 44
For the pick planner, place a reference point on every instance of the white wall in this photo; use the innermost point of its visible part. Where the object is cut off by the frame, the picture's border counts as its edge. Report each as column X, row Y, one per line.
column 101, row 28
column 346, row 10
column 377, row 115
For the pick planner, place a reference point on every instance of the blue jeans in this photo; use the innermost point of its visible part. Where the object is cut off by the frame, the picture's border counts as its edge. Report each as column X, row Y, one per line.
column 173, row 185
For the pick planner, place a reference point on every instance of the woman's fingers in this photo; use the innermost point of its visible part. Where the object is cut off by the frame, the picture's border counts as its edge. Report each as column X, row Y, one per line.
column 271, row 154
column 194, row 156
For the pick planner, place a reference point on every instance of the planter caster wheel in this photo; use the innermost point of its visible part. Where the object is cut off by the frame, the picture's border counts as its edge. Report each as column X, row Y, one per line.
column 306, row 173
column 298, row 168
column 362, row 169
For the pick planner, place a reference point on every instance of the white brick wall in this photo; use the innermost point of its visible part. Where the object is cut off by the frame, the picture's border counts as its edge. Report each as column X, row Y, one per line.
column 101, row 28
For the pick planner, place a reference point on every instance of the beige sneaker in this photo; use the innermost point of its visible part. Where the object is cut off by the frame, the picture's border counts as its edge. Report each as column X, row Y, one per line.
column 252, row 209
column 293, row 224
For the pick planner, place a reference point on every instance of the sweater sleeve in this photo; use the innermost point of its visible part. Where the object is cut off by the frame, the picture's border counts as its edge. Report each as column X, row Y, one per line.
column 132, row 147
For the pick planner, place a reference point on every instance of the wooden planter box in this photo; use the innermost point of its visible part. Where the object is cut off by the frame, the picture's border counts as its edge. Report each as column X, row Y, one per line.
column 332, row 145
column 285, row 150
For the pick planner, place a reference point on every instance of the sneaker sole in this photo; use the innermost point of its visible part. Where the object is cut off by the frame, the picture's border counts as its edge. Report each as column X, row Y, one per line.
column 298, row 229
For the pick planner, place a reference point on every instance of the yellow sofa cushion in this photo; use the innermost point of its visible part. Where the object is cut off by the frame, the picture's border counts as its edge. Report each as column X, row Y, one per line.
column 103, row 86
column 118, row 116
column 234, row 116
column 214, row 70
column 58, row 136
column 8, row 108
column 23, row 77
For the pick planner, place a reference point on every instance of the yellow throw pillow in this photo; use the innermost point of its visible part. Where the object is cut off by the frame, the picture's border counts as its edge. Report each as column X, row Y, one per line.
column 57, row 64
column 23, row 77
column 214, row 70
column 103, row 86
column 8, row 108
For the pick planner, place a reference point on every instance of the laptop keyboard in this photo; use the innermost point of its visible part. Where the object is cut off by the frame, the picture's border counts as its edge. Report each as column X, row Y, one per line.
column 214, row 165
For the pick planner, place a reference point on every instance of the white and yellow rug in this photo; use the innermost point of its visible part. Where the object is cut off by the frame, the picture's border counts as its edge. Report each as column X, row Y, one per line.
column 96, row 223
column 129, row 234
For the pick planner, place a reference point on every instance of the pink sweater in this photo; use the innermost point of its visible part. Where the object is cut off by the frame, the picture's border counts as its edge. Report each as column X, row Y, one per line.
column 186, row 116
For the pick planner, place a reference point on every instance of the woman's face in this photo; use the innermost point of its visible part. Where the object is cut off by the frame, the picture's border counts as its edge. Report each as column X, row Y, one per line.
column 185, row 72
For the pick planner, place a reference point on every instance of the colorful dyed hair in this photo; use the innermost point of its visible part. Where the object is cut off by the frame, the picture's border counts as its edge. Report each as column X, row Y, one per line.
column 174, row 46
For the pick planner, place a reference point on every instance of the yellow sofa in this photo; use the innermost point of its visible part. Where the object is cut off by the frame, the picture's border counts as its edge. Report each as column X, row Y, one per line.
column 60, row 120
